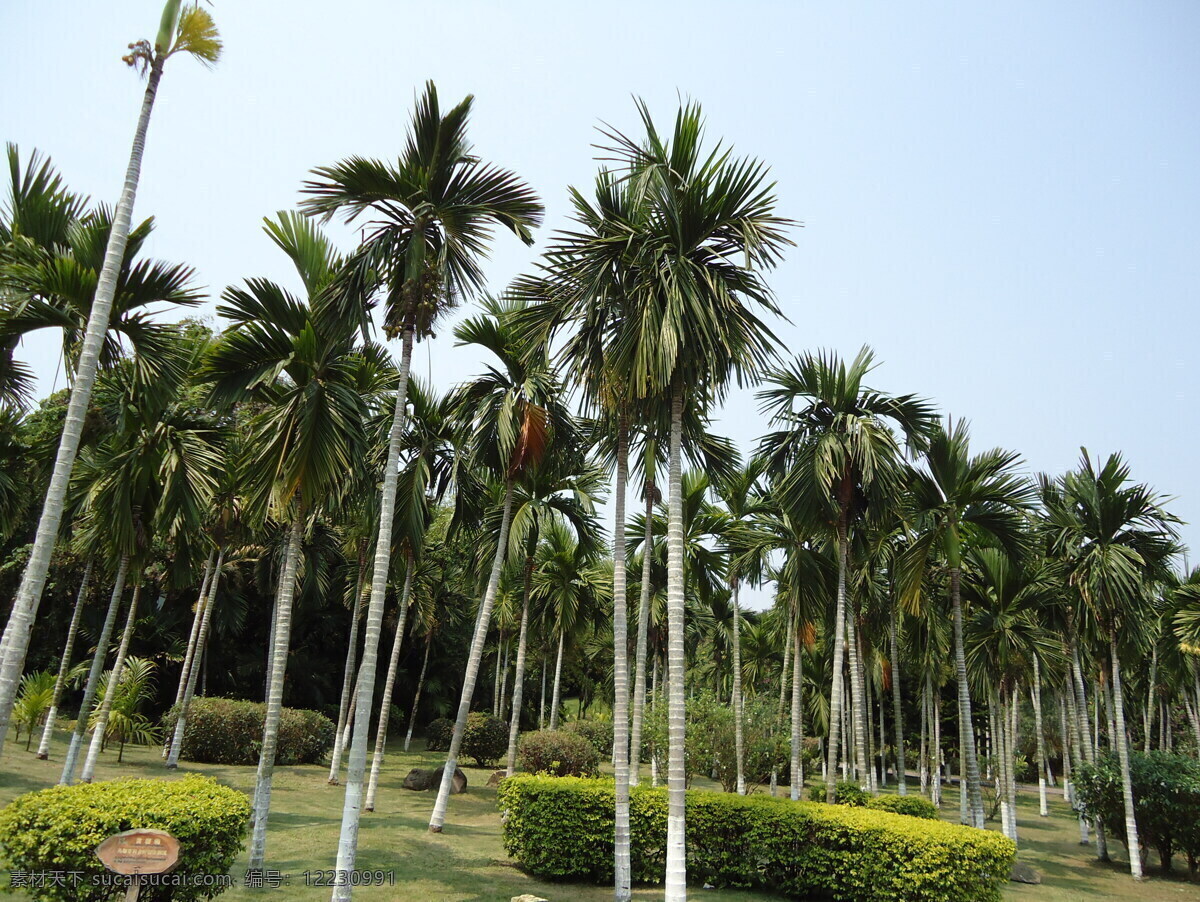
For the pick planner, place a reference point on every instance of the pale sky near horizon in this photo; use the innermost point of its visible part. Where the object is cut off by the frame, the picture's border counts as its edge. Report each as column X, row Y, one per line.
column 1001, row 200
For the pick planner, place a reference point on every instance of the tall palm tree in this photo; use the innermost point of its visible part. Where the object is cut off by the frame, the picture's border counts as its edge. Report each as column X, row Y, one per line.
column 301, row 365
column 516, row 411
column 183, row 29
column 431, row 219
column 956, row 497
column 836, row 456
column 1114, row 537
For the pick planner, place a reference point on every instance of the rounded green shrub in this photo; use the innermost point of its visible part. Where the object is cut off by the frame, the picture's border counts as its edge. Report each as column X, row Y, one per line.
column 561, row 828
column 58, row 829
column 846, row 793
column 229, row 731
column 559, row 753
column 485, row 739
column 597, row 732
column 438, row 735
column 913, row 806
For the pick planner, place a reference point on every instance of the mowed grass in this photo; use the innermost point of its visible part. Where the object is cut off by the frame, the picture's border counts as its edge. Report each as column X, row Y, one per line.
column 468, row 862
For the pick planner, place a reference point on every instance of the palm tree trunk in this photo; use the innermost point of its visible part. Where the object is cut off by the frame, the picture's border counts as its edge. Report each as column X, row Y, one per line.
column 189, row 655
column 797, row 762
column 897, row 709
column 1001, row 790
column 93, row 680
column 270, row 739
column 783, row 686
column 923, row 757
column 882, row 784
column 555, row 698
column 1147, row 721
column 857, row 700
column 29, row 596
column 514, row 725
column 643, row 625
column 504, row 679
column 1013, row 727
column 412, row 718
column 496, row 678
column 176, row 744
column 389, row 684
column 935, row 711
column 1122, row 743
column 542, row 697
column 653, row 708
column 835, row 693
column 738, row 728
column 43, row 751
column 675, row 883
column 971, row 762
column 356, row 767
column 438, row 818
column 339, row 736
column 622, row 891
column 110, row 694
column 1036, row 694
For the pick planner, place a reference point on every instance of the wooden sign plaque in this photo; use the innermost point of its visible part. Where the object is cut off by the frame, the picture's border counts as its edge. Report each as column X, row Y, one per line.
column 138, row 852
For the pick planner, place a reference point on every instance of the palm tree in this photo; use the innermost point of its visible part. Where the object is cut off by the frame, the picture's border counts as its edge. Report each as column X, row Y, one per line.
column 303, row 368
column 432, row 215
column 188, row 30
column 64, row 666
column 1114, row 537
column 836, row 455
column 515, row 411
column 957, row 497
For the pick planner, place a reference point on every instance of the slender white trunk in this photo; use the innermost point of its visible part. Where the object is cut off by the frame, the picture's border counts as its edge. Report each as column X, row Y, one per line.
column 270, row 739
column 783, row 686
column 438, row 818
column 935, row 712
column 496, row 678
column 622, row 891
column 923, row 756
column 797, row 762
column 514, row 724
column 738, row 729
column 554, row 696
column 971, row 762
column 176, row 745
column 388, row 685
column 653, row 705
column 1147, row 717
column 835, row 692
column 64, row 665
column 356, row 767
column 339, row 736
column 412, row 719
column 110, row 693
column 1122, row 743
column 882, row 739
column 897, row 709
column 29, row 596
column 504, row 680
column 97, row 669
column 1013, row 711
column 1001, row 789
column 542, row 696
column 857, row 700
column 643, row 625
column 675, row 883
column 189, row 655
column 1036, row 696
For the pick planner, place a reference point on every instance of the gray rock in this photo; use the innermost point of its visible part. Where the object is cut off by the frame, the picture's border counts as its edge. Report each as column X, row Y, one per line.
column 1023, row 873
column 529, row 897
column 423, row 780
column 494, row 779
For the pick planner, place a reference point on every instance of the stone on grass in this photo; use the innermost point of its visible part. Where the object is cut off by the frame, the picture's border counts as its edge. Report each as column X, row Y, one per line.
column 1023, row 873
column 422, row 780
column 494, row 779
column 529, row 897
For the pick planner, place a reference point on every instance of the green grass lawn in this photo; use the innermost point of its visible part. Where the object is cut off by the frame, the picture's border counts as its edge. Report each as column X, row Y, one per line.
column 467, row 861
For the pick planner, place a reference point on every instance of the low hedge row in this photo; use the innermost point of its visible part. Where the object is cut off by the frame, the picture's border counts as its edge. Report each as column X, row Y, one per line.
column 851, row 794
column 229, row 731
column 562, row 828
column 558, row 753
column 58, row 829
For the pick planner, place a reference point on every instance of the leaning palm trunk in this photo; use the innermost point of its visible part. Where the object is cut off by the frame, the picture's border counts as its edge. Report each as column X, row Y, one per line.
column 189, row 655
column 643, row 625
column 514, row 725
column 897, row 709
column 1122, row 743
column 339, row 736
column 555, row 697
column 438, row 818
column 64, row 665
column 835, row 692
column 389, row 684
column 738, row 729
column 1036, row 694
column 29, row 596
column 797, row 762
column 857, row 700
column 412, row 718
column 270, row 737
column 176, row 744
column 93, row 680
column 622, row 891
column 110, row 693
column 970, row 761
column 675, row 884
column 356, row 767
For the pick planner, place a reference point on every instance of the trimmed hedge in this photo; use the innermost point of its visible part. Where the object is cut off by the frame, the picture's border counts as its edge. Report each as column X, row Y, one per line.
column 229, row 731
column 558, row 753
column 58, row 829
column 485, row 739
column 851, row 794
column 561, row 828
column 846, row 792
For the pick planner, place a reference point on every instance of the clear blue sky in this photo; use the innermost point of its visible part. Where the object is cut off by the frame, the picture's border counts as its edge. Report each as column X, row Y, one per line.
column 1001, row 199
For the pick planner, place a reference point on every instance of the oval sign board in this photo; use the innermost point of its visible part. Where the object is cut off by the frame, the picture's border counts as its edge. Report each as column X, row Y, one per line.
column 139, row 852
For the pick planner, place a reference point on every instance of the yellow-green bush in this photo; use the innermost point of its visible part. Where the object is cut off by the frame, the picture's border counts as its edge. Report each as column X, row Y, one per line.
column 562, row 828
column 913, row 806
column 558, row 753
column 58, row 829
column 229, row 731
